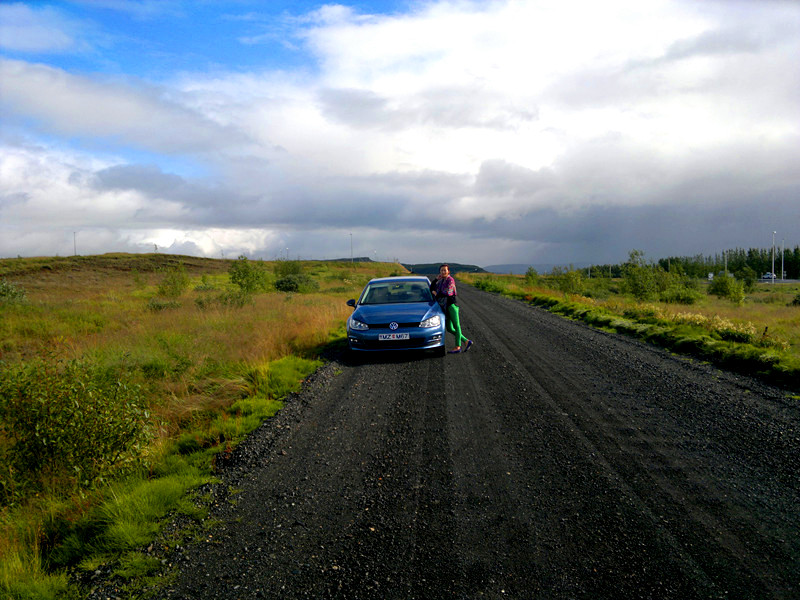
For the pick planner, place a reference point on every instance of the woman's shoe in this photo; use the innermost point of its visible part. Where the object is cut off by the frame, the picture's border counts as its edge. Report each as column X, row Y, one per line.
column 469, row 343
column 455, row 350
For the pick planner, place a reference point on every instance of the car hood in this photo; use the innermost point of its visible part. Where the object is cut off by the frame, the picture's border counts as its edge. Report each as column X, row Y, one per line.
column 405, row 313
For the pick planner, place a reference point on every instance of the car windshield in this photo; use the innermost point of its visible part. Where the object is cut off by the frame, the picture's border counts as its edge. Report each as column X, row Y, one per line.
column 396, row 293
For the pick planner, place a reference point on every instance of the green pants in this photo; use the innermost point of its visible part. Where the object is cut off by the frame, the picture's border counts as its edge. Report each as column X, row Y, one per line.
column 453, row 324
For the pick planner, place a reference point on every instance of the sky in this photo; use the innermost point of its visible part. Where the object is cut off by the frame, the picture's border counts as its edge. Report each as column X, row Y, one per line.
column 505, row 131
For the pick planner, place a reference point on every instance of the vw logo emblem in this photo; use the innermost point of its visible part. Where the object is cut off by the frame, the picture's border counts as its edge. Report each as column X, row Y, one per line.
column 393, row 325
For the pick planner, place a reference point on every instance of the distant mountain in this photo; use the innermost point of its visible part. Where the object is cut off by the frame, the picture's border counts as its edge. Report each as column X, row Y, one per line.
column 433, row 268
column 522, row 268
column 348, row 259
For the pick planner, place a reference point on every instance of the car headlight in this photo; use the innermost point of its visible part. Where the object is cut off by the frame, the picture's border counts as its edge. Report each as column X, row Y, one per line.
column 357, row 325
column 434, row 321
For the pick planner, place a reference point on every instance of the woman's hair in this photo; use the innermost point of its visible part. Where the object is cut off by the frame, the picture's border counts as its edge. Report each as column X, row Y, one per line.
column 444, row 265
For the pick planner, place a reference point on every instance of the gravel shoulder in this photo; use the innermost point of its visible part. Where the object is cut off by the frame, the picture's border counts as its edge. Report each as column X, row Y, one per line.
column 550, row 461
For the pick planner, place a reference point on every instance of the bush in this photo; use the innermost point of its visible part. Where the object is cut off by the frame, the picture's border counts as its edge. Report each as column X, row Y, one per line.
column 567, row 281
column 174, row 283
column 296, row 283
column 748, row 277
column 795, row 301
column 680, row 295
column 67, row 423
column 250, row 277
column 638, row 279
column 531, row 276
column 284, row 268
column 11, row 294
column 727, row 287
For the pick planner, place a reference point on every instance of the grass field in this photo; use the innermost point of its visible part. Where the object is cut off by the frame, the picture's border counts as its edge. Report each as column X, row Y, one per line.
column 166, row 354
column 759, row 335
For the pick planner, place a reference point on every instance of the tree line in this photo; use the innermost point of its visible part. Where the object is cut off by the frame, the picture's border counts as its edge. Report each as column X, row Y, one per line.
column 745, row 264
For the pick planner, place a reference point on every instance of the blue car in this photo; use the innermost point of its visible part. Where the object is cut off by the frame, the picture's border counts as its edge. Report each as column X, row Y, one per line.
column 396, row 313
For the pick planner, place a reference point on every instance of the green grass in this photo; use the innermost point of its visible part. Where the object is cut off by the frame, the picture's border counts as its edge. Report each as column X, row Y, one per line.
column 207, row 373
column 760, row 336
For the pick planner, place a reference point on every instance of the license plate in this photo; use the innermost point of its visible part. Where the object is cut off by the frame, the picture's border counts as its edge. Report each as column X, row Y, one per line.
column 393, row 336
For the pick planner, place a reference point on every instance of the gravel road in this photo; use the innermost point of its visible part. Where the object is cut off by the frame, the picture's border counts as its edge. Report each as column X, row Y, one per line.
column 550, row 461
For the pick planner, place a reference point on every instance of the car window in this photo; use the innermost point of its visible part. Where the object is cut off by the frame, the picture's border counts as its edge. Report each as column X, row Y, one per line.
column 396, row 293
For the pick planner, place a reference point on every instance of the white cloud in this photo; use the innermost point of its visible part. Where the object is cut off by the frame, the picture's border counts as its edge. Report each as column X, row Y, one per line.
column 500, row 121
column 140, row 115
column 24, row 29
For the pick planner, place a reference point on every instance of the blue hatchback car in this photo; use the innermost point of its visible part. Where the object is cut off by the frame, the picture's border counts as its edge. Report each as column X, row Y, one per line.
column 396, row 313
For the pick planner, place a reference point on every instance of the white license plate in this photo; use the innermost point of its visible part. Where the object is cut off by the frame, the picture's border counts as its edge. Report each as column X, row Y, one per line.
column 393, row 336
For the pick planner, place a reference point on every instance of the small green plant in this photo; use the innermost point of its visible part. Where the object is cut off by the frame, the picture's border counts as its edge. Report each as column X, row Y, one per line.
column 531, row 276
column 11, row 294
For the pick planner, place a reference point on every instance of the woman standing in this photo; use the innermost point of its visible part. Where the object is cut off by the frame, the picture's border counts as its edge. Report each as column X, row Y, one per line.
column 444, row 290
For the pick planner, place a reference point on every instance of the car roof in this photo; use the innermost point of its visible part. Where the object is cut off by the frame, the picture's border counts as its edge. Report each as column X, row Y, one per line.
column 419, row 278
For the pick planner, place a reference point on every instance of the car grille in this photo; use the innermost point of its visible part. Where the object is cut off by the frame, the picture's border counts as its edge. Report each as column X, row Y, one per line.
column 386, row 325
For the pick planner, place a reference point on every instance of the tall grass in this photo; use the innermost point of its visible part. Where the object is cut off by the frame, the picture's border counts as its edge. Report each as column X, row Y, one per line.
column 759, row 334
column 206, row 372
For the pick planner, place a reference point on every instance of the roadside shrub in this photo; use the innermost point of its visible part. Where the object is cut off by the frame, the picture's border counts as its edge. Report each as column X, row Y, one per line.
column 531, row 276
column 638, row 279
column 489, row 284
column 795, row 301
column 685, row 292
column 748, row 277
column 248, row 276
column 174, row 282
column 567, row 281
column 680, row 295
column 301, row 283
column 11, row 294
column 67, row 423
column 727, row 287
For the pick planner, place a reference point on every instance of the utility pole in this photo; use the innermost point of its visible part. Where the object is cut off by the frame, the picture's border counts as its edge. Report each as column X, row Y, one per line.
column 783, row 253
column 75, row 242
column 351, row 248
column 773, row 257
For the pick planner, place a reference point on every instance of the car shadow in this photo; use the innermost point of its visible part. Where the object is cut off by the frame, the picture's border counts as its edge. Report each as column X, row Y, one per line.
column 353, row 359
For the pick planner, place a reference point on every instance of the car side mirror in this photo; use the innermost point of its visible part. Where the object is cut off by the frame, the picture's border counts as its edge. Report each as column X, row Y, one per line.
column 351, row 302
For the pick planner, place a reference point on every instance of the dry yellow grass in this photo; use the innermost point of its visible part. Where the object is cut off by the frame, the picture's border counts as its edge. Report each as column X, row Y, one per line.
column 190, row 359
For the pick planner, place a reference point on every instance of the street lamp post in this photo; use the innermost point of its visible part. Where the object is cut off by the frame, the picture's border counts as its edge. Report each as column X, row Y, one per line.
column 783, row 253
column 773, row 256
